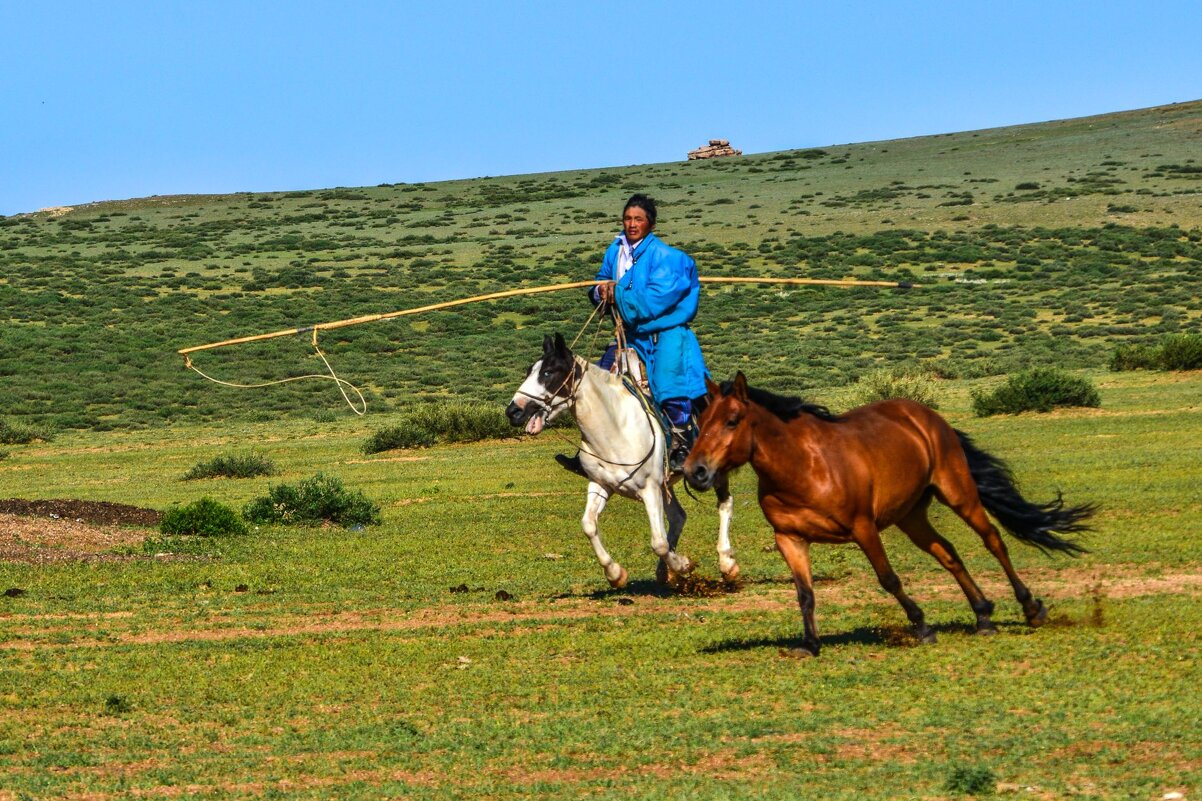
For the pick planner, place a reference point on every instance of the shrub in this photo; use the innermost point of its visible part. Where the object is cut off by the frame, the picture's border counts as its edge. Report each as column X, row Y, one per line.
column 17, row 434
column 205, row 518
column 1175, row 352
column 1133, row 357
column 906, row 381
column 1026, row 186
column 117, row 705
column 316, row 500
column 1181, row 352
column 976, row 780
column 1039, row 389
column 407, row 434
column 246, row 465
column 426, row 424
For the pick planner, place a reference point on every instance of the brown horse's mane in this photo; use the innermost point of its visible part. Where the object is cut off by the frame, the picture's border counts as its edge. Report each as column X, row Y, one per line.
column 783, row 406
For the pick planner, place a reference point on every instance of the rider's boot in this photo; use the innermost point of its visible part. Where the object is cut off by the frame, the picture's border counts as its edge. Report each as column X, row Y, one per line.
column 683, row 430
column 571, row 464
column 681, row 444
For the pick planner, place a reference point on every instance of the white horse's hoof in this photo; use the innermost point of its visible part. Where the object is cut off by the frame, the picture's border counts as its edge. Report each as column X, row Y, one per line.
column 731, row 574
column 676, row 576
column 621, row 581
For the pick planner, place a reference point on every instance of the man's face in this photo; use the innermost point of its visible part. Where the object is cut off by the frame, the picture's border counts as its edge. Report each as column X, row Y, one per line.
column 635, row 221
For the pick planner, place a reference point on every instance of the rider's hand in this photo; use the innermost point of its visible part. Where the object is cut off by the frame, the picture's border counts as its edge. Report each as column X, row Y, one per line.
column 605, row 292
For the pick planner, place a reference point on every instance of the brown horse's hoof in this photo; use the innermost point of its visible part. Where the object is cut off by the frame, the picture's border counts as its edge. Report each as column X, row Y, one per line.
column 986, row 629
column 801, row 652
column 927, row 637
column 1039, row 617
column 621, row 581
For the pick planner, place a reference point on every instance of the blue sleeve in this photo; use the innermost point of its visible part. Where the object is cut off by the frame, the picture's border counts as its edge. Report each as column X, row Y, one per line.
column 668, row 294
column 606, row 273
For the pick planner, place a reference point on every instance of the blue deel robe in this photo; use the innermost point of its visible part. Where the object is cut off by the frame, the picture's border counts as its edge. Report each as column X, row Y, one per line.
column 657, row 298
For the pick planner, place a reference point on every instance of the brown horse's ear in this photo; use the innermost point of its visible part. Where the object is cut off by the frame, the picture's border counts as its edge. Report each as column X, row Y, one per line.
column 739, row 388
column 547, row 344
column 713, row 389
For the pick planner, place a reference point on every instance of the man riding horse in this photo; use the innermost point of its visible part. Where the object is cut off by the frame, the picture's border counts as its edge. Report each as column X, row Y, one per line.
column 653, row 288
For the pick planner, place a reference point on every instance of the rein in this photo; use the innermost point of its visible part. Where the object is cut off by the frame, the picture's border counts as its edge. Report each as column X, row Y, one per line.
column 582, row 365
column 548, row 402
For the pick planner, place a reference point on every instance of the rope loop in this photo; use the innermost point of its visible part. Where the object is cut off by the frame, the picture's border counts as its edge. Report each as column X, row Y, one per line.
column 342, row 383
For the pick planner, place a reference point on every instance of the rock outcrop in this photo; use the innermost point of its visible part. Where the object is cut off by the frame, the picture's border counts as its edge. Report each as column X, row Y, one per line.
column 716, row 148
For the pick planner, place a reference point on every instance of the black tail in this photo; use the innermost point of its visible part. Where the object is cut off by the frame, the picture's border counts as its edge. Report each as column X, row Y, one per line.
column 1037, row 524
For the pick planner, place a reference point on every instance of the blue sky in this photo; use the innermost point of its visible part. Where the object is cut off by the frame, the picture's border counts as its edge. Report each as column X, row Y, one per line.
column 113, row 100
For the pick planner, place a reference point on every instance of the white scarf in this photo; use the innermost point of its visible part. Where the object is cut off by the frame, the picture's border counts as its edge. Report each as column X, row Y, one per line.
column 625, row 256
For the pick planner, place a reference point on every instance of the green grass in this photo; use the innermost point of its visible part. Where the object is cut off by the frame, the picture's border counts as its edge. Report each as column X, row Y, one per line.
column 298, row 663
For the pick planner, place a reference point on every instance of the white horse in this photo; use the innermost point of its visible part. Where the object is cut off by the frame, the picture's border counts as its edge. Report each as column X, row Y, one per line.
column 622, row 450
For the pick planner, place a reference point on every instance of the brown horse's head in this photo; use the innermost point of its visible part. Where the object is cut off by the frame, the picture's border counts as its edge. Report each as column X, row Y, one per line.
column 724, row 440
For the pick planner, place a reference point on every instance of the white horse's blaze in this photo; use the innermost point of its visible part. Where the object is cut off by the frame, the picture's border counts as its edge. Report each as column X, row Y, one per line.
column 532, row 390
column 622, row 451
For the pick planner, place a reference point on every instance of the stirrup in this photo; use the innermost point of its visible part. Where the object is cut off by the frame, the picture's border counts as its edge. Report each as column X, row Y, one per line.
column 682, row 440
column 571, row 464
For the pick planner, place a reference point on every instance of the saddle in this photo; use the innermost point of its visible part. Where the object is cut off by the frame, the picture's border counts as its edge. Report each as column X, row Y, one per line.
column 680, row 441
column 629, row 366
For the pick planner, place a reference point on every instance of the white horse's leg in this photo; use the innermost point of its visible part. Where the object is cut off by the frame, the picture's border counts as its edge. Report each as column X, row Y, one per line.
column 597, row 498
column 726, row 511
column 653, row 499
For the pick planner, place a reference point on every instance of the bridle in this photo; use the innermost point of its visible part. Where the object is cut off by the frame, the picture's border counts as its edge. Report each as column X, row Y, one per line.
column 547, row 402
column 572, row 382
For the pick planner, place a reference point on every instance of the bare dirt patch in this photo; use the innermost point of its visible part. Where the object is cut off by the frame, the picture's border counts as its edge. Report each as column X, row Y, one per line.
column 37, row 532
column 389, row 459
column 102, row 512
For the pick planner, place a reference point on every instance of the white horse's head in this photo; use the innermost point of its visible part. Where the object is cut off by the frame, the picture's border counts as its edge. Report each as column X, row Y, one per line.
column 548, row 387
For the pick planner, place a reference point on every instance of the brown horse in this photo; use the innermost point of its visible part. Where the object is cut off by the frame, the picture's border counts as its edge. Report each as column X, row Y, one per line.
column 845, row 478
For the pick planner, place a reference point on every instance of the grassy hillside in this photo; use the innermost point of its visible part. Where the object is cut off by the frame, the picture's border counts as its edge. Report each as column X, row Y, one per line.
column 1047, row 243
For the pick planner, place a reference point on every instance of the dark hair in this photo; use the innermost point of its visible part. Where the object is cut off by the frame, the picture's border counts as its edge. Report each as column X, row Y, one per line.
column 644, row 202
column 783, row 406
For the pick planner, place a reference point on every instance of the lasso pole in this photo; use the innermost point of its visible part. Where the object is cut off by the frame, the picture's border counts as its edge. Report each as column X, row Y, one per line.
column 370, row 318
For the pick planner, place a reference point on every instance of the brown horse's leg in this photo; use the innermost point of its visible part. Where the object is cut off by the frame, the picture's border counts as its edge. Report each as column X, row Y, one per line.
column 869, row 540
column 967, row 505
column 726, row 508
column 796, row 552
column 918, row 528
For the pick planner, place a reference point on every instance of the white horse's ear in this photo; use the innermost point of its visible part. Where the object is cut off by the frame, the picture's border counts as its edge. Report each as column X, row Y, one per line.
column 560, row 345
column 547, row 343
column 739, row 389
column 713, row 389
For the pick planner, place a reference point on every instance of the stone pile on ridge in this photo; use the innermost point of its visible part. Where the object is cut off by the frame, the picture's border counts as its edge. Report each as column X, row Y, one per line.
column 716, row 148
